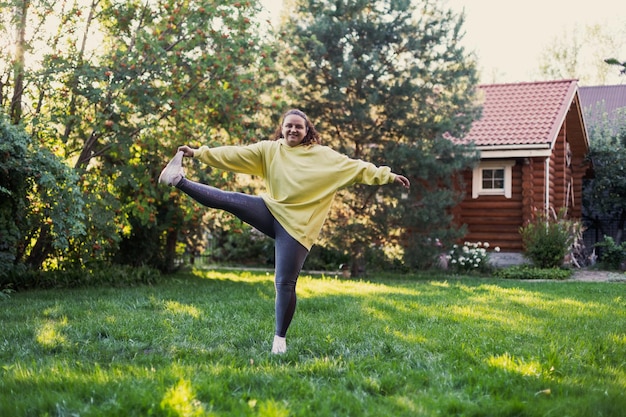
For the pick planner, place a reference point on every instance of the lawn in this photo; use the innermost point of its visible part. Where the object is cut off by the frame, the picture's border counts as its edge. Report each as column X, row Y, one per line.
column 198, row 344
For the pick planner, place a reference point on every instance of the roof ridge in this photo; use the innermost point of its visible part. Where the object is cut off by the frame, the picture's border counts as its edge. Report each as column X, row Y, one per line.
column 604, row 86
column 522, row 113
column 569, row 80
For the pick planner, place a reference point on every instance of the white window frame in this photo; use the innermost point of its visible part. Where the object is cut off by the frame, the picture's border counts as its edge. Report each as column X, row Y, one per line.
column 477, row 178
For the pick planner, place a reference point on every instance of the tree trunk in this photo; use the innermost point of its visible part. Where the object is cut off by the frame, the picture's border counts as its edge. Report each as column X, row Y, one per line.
column 170, row 250
column 41, row 250
column 620, row 228
column 357, row 266
column 15, row 111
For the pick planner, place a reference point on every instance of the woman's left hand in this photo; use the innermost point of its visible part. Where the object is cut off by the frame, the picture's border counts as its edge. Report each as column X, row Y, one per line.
column 404, row 181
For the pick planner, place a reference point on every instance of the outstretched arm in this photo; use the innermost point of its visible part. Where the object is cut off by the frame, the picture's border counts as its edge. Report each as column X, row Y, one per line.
column 186, row 150
column 240, row 159
column 402, row 180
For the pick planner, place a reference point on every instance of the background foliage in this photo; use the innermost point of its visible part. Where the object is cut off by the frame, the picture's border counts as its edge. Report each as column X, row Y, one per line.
column 612, row 255
column 100, row 94
column 386, row 80
column 111, row 93
column 38, row 193
column 604, row 196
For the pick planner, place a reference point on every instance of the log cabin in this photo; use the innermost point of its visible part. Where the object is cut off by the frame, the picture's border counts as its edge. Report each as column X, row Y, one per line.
column 532, row 142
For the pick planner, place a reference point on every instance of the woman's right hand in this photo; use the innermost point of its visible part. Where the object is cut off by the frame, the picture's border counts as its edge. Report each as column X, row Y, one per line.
column 186, row 150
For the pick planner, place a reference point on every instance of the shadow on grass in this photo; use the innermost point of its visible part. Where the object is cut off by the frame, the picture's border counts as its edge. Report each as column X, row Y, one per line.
column 393, row 346
column 485, row 337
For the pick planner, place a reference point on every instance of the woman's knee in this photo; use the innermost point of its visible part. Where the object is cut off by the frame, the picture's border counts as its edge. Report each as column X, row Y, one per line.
column 285, row 284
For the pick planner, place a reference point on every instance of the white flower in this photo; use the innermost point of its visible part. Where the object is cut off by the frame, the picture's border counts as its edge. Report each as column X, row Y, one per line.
column 497, row 249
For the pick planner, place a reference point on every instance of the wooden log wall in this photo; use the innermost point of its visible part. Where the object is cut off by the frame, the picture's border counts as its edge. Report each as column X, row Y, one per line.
column 567, row 185
column 537, row 188
column 579, row 168
column 559, row 173
column 494, row 219
column 497, row 219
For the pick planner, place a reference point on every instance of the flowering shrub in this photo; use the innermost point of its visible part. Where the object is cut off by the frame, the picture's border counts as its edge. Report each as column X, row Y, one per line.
column 469, row 257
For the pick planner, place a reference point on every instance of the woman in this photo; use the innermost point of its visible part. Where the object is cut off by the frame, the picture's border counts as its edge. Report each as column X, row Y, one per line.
column 301, row 177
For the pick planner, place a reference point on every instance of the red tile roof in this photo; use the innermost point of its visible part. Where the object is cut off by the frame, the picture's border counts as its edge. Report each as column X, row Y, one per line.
column 522, row 113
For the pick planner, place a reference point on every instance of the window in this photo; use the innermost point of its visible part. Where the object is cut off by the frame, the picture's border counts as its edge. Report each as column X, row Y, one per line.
column 492, row 178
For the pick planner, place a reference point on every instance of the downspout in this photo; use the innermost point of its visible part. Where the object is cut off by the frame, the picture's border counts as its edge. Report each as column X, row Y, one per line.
column 547, row 189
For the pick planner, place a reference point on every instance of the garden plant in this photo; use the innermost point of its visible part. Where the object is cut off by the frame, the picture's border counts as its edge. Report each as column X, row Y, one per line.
column 549, row 238
column 471, row 256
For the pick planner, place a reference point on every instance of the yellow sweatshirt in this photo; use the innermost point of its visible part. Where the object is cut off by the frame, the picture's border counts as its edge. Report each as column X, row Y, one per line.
column 301, row 181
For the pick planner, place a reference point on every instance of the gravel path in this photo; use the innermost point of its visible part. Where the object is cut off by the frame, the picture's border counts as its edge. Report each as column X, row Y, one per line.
column 590, row 275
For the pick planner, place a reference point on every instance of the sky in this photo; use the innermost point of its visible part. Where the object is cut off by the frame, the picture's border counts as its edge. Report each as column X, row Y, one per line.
column 508, row 37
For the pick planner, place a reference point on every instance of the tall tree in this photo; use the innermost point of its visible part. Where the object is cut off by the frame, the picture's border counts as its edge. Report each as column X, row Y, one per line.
column 604, row 196
column 384, row 81
column 41, row 200
column 115, row 87
column 581, row 52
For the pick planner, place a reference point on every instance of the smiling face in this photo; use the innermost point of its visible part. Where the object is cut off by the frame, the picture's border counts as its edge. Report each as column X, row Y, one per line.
column 294, row 129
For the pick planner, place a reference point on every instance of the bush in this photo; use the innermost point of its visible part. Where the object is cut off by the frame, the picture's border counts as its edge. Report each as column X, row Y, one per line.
column 325, row 259
column 241, row 244
column 98, row 275
column 38, row 198
column 612, row 255
column 469, row 257
column 548, row 239
column 530, row 272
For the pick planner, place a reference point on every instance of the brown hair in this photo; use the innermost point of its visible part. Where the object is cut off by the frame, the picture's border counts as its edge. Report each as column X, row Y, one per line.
column 312, row 136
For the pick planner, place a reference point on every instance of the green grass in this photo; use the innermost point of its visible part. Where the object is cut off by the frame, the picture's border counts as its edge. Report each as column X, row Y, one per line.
column 198, row 344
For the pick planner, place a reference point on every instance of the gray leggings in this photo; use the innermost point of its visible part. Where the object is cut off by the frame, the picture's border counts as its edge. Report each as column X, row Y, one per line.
column 290, row 254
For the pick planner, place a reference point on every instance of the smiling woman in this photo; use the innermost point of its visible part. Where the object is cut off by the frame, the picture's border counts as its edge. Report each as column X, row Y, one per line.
column 296, row 129
column 301, row 177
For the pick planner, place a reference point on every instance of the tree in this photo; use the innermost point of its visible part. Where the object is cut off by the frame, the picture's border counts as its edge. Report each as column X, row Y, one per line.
column 582, row 53
column 613, row 61
column 604, row 196
column 384, row 81
column 36, row 188
column 41, row 201
column 114, row 90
